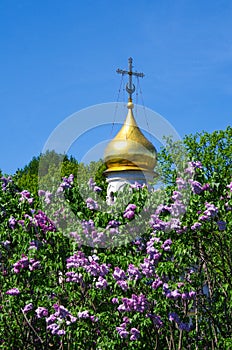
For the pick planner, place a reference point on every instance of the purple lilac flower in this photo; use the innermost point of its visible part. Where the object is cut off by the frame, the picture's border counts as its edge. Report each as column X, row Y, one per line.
column 21, row 264
column 178, row 208
column 34, row 265
column 122, row 332
column 93, row 318
column 175, row 294
column 174, row 317
column 25, row 263
column 123, row 285
column 166, row 245
column 184, row 326
column 177, row 195
column 190, row 170
column 136, row 185
column 97, row 189
column 131, row 207
column 156, row 320
column 136, row 303
column 185, row 296
column 77, row 260
column 112, row 224
column 230, row 187
column 48, row 196
column 6, row 244
column 119, row 274
column 62, row 312
column 54, row 328
column 147, row 267
column 13, row 291
column 151, row 250
column 41, row 312
column 91, row 204
column 206, row 187
column 133, row 272
column 27, row 308
column 181, row 183
column 135, row 333
column 67, row 183
column 175, row 224
column 211, row 210
column 204, row 218
column 196, row 186
column 41, row 193
column 101, row 283
column 35, row 244
column 115, row 300
column 93, row 268
column 157, row 283
column 221, row 225
column 83, row 314
column 72, row 276
column 162, row 209
column 12, row 222
column 158, row 224
column 51, row 319
column 197, row 164
column 192, row 294
column 5, row 181
column 26, row 196
column 129, row 214
column 196, row 226
column 43, row 222
column 91, row 183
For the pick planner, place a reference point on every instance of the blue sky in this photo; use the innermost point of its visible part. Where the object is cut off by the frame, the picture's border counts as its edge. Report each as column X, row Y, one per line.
column 58, row 57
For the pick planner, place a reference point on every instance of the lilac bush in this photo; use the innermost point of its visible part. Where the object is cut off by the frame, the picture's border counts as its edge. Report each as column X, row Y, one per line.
column 166, row 287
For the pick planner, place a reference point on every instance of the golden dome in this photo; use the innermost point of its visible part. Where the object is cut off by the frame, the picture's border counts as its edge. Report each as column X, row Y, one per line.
column 130, row 149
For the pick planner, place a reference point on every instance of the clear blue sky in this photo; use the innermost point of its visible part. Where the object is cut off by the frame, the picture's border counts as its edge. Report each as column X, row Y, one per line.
column 58, row 57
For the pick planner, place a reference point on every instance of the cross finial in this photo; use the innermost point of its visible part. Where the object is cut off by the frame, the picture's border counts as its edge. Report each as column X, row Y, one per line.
column 130, row 88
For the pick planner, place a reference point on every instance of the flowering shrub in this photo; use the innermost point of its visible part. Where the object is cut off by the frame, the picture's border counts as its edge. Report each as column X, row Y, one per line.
column 167, row 285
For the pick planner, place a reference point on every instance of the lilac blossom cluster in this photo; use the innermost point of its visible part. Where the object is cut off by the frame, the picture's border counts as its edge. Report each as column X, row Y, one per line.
column 5, row 182
column 90, row 265
column 176, row 294
column 173, row 317
column 156, row 319
column 25, row 197
column 27, row 308
column 210, row 212
column 129, row 212
column 92, row 236
column 38, row 220
column 91, row 204
column 13, row 291
column 54, row 321
column 86, row 315
column 93, row 186
column 230, row 186
column 120, row 276
column 66, row 183
column 124, row 332
column 46, row 194
column 191, row 168
column 172, row 212
column 197, row 187
column 136, row 303
column 26, row 263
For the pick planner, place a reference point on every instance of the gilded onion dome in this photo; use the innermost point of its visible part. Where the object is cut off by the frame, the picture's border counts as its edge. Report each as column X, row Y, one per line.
column 130, row 150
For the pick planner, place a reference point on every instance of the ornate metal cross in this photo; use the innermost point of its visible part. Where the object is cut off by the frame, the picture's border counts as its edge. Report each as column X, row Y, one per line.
column 130, row 88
